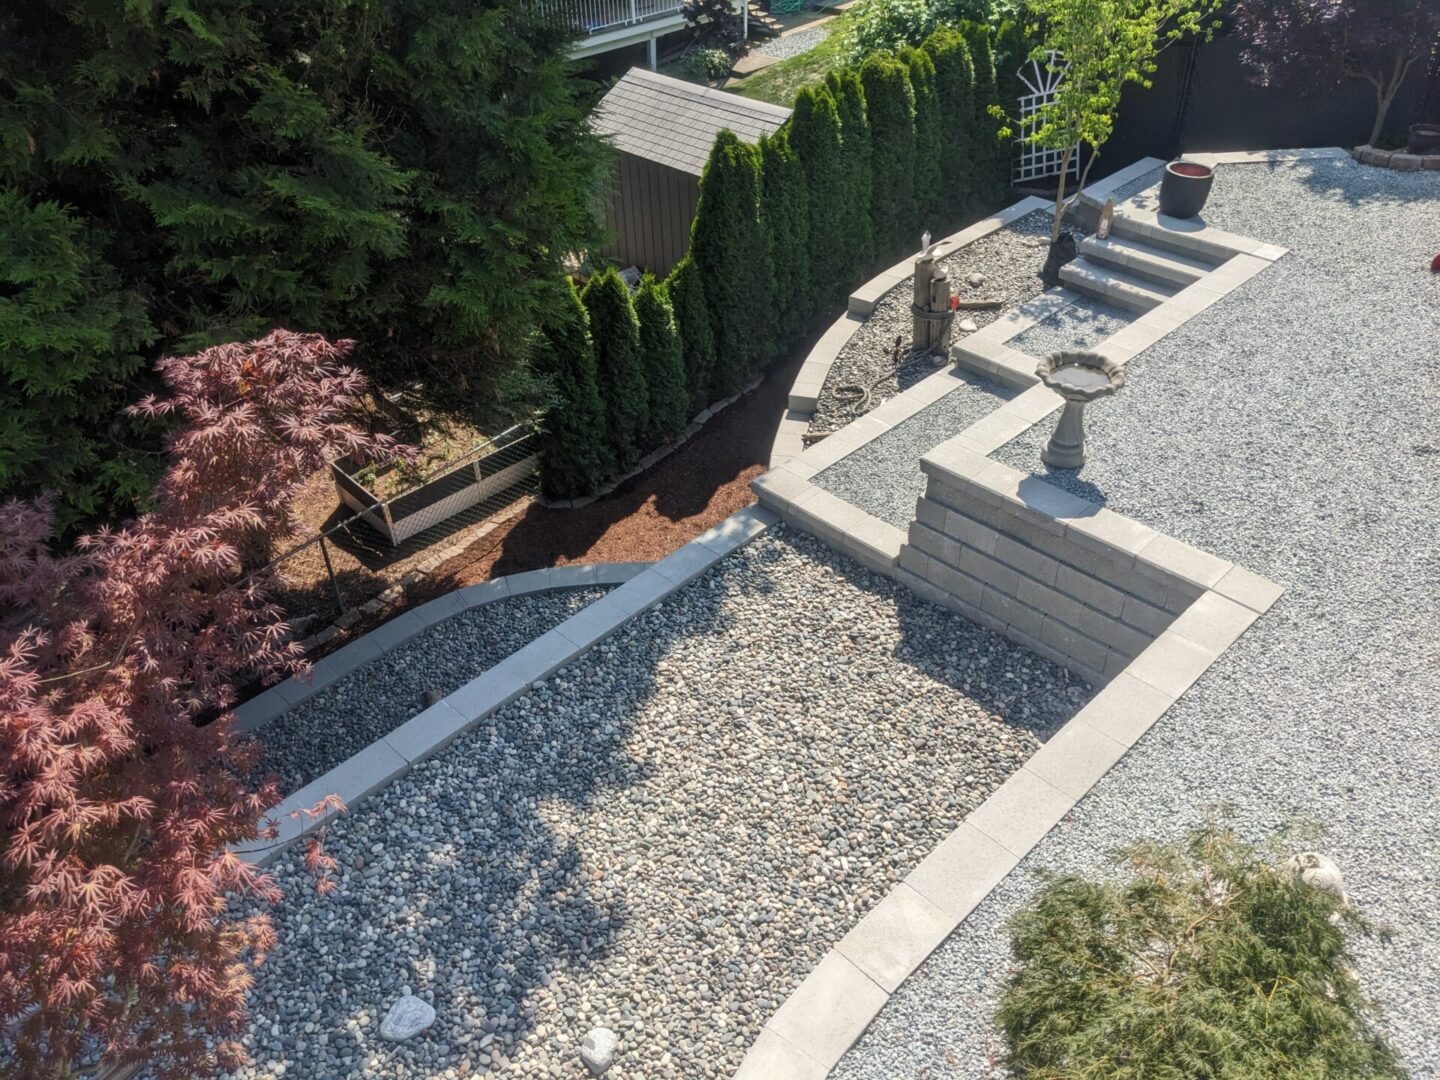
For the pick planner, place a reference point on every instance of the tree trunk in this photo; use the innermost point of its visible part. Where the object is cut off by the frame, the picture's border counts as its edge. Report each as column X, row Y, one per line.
column 1385, row 95
column 1060, row 195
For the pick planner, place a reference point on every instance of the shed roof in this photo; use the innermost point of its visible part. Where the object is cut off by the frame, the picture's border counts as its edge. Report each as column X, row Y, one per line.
column 675, row 123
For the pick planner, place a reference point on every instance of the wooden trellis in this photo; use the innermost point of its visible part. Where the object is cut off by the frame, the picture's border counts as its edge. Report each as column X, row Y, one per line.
column 1039, row 80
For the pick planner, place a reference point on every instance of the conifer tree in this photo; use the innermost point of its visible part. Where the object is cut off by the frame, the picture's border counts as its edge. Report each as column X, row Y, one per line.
column 697, row 337
column 815, row 135
column 574, row 449
column 890, row 104
column 408, row 174
column 733, row 259
column 785, row 214
column 662, row 361
column 992, row 156
column 844, row 86
column 928, row 148
column 955, row 87
column 615, row 331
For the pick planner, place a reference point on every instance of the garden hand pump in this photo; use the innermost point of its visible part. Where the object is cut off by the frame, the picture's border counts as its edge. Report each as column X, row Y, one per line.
column 933, row 306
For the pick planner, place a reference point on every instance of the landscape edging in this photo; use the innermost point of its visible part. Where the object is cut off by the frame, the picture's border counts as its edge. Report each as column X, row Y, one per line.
column 425, row 734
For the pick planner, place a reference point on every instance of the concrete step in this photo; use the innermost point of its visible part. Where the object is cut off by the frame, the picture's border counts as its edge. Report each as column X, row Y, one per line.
column 1114, row 286
column 1145, row 260
column 1183, row 238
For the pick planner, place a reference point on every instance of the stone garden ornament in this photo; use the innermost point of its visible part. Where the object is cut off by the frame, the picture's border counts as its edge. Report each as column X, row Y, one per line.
column 1078, row 377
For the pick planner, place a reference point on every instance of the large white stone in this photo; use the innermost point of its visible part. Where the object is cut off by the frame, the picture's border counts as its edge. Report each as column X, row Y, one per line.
column 408, row 1016
column 1318, row 872
column 597, row 1049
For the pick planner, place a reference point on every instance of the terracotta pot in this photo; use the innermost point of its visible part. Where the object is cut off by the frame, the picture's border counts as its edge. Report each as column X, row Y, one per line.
column 1185, row 188
column 1424, row 139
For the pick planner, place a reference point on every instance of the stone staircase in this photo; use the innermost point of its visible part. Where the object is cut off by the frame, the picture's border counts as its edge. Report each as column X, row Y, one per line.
column 1138, row 268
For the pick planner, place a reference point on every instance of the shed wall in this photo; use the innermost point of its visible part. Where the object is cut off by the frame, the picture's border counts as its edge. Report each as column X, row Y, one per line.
column 648, row 214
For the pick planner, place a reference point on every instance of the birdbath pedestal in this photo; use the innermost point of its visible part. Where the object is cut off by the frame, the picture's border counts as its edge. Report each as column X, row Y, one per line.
column 1078, row 377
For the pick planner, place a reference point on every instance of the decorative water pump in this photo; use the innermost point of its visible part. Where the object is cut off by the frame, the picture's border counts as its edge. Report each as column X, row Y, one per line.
column 934, row 302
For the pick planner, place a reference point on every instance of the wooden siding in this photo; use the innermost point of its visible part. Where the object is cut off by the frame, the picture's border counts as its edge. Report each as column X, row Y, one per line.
column 648, row 214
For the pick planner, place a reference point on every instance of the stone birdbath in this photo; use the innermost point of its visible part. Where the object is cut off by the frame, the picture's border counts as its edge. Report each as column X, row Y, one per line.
column 1078, row 377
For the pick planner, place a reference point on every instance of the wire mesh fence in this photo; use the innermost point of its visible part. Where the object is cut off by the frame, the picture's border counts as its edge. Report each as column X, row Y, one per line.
column 371, row 543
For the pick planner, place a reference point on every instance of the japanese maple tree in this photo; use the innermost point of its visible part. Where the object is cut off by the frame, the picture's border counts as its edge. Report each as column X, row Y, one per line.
column 1314, row 44
column 120, row 813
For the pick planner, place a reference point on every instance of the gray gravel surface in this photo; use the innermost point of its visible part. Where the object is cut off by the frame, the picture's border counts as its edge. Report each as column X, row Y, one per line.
column 663, row 839
column 343, row 719
column 801, row 41
column 1009, row 259
column 1141, row 183
column 883, row 477
column 1081, row 325
column 1290, row 427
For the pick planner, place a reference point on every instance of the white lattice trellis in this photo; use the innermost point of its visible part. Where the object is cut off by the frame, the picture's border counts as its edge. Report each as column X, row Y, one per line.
column 1039, row 78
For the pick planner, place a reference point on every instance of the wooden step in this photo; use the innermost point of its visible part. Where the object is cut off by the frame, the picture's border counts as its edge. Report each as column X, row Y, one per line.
column 1114, row 286
column 1145, row 261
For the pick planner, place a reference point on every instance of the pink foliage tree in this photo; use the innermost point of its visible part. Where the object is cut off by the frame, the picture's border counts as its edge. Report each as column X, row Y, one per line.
column 120, row 815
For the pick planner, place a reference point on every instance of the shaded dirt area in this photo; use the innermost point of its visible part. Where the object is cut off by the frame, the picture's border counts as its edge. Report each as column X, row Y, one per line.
column 699, row 485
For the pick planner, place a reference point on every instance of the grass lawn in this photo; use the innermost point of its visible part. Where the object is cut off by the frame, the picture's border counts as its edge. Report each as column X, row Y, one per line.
column 779, row 83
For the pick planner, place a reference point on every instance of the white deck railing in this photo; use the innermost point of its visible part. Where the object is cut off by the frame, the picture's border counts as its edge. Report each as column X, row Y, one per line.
column 595, row 16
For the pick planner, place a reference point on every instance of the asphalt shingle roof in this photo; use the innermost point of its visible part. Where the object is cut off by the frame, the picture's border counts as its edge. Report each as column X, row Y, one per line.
column 675, row 123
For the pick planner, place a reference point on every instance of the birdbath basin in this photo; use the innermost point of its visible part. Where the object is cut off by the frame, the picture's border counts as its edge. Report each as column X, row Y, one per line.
column 1078, row 377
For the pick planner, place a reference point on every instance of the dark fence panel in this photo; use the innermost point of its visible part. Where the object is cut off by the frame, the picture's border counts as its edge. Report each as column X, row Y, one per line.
column 1203, row 100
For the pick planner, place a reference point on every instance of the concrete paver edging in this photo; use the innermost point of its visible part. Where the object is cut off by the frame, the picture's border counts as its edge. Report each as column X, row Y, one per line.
column 833, row 1006
column 643, row 585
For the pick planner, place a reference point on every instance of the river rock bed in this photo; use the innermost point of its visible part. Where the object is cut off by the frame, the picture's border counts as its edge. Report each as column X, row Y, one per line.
column 663, row 839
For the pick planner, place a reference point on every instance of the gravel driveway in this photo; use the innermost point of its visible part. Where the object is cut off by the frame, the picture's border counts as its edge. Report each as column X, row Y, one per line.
column 666, row 837
column 1290, row 427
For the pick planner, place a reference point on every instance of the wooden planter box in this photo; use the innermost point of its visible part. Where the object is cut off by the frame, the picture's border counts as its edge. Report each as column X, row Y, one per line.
column 500, row 473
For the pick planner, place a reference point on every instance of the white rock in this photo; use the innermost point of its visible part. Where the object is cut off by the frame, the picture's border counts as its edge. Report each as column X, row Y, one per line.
column 968, row 326
column 975, row 279
column 1318, row 872
column 597, row 1049
column 408, row 1016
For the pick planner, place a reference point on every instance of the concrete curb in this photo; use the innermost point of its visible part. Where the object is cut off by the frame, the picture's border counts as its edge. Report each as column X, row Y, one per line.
column 831, row 1009
column 644, row 586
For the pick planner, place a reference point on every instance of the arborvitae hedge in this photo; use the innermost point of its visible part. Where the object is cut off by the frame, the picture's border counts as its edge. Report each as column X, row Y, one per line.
column 697, row 337
column 409, row 174
column 890, row 104
column 730, row 251
column 929, row 198
column 815, row 136
column 574, row 447
column 859, row 231
column 992, row 157
column 785, row 215
column 618, row 365
column 955, row 87
column 662, row 362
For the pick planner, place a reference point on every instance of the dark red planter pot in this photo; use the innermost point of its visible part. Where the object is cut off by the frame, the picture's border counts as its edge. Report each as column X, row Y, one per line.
column 1185, row 188
column 1424, row 139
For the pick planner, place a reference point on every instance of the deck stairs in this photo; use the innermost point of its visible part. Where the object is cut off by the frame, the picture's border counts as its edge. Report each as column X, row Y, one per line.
column 1134, row 268
column 762, row 24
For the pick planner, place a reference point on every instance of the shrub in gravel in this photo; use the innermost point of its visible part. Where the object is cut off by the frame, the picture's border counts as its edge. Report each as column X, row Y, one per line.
column 955, row 88
column 574, row 448
column 697, row 338
column 890, row 104
column 785, row 214
column 926, row 170
column 616, row 333
column 729, row 248
column 662, row 362
column 844, row 86
column 1211, row 961
column 815, row 134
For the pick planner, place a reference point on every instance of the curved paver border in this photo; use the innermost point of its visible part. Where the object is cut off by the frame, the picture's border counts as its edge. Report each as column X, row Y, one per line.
column 283, row 696
column 425, row 734
column 831, row 1009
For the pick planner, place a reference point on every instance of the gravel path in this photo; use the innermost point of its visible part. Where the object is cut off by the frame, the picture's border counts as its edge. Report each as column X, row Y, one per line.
column 665, row 838
column 801, row 41
column 343, row 719
column 1009, row 260
column 1290, row 427
column 883, row 477
column 1081, row 325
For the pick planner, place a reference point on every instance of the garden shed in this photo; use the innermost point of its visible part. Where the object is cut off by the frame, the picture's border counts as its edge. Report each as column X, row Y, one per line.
column 663, row 129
